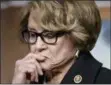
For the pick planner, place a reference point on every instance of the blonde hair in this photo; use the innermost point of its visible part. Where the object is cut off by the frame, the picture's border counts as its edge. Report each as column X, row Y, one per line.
column 82, row 18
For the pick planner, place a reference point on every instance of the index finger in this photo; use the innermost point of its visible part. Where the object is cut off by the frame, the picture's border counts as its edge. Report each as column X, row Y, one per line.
column 32, row 55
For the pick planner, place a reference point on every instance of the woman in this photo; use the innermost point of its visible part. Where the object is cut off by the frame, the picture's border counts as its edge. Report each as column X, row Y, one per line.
column 60, row 35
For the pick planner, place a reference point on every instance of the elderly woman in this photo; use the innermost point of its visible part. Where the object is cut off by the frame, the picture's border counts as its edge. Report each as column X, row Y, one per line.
column 60, row 35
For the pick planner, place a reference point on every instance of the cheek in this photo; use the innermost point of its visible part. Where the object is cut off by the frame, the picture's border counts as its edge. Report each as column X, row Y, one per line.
column 63, row 47
column 56, row 49
column 62, row 52
column 58, row 54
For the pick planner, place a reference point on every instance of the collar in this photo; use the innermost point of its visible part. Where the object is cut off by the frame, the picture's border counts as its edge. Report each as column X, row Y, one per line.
column 86, row 66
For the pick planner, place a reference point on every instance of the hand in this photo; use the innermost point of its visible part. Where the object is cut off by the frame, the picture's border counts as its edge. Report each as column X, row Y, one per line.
column 28, row 66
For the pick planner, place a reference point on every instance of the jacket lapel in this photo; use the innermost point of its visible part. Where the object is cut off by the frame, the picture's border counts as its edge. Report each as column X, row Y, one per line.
column 83, row 71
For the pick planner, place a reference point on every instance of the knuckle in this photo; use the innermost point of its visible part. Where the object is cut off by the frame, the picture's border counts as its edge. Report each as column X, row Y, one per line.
column 19, row 68
column 34, row 67
column 30, row 54
column 33, row 60
column 18, row 62
column 31, row 70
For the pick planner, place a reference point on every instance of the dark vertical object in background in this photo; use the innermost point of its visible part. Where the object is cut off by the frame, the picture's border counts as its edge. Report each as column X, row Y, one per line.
column 0, row 45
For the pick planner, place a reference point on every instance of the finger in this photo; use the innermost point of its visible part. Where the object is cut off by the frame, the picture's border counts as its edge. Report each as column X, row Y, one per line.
column 29, row 69
column 36, row 77
column 31, row 73
column 34, row 64
column 31, row 55
column 39, row 68
column 33, row 76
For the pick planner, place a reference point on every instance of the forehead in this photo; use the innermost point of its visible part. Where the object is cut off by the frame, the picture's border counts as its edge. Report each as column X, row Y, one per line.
column 34, row 19
column 34, row 14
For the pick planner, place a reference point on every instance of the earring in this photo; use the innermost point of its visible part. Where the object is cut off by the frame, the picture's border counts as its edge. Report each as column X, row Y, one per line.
column 77, row 54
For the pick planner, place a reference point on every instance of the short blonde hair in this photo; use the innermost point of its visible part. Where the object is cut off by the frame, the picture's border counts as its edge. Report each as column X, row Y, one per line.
column 82, row 18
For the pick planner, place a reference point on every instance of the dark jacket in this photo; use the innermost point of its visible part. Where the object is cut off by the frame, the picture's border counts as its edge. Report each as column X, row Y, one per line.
column 87, row 70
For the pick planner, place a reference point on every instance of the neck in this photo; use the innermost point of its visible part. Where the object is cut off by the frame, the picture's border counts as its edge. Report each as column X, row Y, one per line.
column 55, row 76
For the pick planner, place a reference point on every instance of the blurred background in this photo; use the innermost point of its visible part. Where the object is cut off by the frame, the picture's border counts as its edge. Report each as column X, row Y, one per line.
column 12, row 49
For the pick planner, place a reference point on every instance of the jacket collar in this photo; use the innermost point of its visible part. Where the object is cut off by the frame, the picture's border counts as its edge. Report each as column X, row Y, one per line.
column 86, row 66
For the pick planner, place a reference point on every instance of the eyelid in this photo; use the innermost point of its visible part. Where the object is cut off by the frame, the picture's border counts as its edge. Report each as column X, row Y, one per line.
column 32, row 31
column 47, row 33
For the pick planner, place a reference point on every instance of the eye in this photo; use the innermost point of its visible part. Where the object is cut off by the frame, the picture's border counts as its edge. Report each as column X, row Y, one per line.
column 32, row 34
column 49, row 34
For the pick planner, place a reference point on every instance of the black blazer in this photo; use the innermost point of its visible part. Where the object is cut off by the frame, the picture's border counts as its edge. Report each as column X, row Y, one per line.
column 86, row 70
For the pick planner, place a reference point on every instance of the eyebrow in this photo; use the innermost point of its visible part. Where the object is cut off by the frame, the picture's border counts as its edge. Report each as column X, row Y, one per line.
column 34, row 30
column 31, row 29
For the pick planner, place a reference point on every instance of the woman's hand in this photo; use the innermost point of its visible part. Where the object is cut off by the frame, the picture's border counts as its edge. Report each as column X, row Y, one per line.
column 28, row 68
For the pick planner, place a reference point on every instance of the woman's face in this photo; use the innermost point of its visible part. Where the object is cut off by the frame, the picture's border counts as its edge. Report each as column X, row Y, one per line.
column 55, row 55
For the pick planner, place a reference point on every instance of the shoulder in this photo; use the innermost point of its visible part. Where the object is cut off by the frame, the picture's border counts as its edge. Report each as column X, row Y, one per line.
column 103, row 76
column 87, row 70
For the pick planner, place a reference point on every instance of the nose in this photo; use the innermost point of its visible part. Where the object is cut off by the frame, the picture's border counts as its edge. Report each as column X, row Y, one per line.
column 40, row 45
